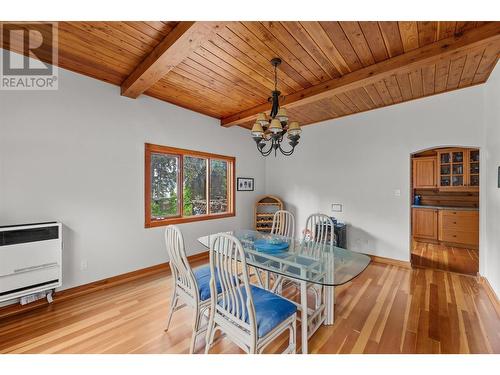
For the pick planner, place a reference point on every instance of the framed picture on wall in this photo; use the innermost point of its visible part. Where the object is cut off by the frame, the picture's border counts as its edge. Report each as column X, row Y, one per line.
column 244, row 184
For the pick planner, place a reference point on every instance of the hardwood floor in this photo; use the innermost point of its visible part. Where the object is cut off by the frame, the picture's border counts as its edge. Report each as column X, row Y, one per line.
column 387, row 309
column 447, row 258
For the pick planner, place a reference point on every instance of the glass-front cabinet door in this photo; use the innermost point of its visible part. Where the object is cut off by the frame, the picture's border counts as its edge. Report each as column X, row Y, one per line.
column 458, row 169
column 473, row 181
column 452, row 168
column 444, row 169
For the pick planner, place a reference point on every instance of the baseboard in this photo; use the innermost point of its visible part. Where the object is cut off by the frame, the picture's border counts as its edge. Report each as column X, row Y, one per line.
column 96, row 286
column 491, row 293
column 444, row 243
column 474, row 276
column 392, row 262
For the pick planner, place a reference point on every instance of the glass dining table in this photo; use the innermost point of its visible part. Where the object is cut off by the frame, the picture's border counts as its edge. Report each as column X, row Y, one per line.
column 308, row 264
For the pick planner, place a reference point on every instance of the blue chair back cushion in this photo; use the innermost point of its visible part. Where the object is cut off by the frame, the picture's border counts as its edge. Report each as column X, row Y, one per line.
column 202, row 276
column 270, row 309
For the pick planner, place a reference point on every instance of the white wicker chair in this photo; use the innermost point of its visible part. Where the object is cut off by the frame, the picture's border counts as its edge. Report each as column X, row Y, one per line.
column 190, row 288
column 315, row 237
column 249, row 316
column 283, row 224
column 319, row 237
column 317, row 230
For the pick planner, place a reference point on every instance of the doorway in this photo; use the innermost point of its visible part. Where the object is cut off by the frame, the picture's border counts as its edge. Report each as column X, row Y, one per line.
column 445, row 209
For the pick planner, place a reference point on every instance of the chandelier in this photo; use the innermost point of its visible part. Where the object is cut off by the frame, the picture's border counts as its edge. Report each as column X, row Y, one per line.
column 269, row 132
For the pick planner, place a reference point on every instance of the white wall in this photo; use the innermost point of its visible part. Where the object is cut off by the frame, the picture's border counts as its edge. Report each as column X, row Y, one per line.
column 77, row 155
column 360, row 160
column 492, row 122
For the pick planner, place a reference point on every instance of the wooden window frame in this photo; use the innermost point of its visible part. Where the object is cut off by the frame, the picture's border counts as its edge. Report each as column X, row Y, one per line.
column 149, row 149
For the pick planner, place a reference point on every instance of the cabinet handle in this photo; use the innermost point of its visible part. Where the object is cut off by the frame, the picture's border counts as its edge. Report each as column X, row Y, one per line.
column 454, row 235
column 454, row 222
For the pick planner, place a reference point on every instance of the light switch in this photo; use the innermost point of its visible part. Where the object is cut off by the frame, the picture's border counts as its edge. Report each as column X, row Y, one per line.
column 336, row 207
column 397, row 193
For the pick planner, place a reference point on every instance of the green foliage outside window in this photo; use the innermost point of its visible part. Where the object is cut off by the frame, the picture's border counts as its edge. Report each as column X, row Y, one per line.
column 165, row 185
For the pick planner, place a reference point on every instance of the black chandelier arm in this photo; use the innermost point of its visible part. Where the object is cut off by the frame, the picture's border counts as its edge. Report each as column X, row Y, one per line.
column 294, row 141
column 289, row 152
column 267, row 152
column 274, row 143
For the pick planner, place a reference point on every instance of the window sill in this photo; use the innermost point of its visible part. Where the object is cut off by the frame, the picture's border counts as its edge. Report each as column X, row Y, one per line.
column 189, row 219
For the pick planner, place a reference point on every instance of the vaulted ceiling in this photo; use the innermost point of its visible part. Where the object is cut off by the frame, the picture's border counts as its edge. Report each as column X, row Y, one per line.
column 329, row 70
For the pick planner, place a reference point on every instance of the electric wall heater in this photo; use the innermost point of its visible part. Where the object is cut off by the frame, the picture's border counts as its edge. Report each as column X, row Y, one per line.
column 30, row 259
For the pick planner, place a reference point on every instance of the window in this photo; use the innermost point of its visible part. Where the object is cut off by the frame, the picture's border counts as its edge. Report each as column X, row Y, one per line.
column 184, row 186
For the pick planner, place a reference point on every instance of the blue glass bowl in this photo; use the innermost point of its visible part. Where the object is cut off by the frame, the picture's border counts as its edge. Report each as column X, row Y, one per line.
column 270, row 247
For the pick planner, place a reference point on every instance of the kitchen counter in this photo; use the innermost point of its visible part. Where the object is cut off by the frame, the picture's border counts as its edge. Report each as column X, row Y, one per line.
column 446, row 208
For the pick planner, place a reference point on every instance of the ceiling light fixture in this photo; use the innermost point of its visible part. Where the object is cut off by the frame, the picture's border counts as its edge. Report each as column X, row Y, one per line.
column 269, row 132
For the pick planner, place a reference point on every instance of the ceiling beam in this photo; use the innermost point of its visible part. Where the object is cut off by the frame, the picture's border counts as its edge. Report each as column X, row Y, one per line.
column 170, row 52
column 490, row 33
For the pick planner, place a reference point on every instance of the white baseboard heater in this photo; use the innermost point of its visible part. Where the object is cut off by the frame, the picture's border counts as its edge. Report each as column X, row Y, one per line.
column 30, row 259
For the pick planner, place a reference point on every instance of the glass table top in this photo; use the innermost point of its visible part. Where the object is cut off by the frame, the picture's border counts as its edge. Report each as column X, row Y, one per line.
column 298, row 259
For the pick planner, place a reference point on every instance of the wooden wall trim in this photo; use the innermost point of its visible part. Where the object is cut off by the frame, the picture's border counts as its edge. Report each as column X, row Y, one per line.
column 491, row 293
column 480, row 36
column 392, row 262
column 95, row 286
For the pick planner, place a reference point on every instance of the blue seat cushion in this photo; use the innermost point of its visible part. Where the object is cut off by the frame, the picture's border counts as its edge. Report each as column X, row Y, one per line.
column 202, row 276
column 270, row 309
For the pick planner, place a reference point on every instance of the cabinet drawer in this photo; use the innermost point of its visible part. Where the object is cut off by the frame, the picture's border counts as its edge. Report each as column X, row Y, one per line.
column 456, row 236
column 463, row 221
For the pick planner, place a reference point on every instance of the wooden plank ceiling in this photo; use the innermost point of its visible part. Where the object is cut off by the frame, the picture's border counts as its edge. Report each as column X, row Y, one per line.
column 329, row 70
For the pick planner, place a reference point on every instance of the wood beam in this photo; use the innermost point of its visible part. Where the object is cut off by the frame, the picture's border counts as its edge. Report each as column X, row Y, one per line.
column 490, row 33
column 171, row 51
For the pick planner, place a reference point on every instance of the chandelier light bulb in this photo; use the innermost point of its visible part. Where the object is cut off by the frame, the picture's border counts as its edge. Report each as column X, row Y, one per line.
column 294, row 128
column 262, row 119
column 257, row 130
column 275, row 126
column 282, row 116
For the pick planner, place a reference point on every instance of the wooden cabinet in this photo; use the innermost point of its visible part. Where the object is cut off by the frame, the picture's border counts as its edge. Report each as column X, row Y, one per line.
column 425, row 223
column 424, row 172
column 458, row 169
column 458, row 227
column 461, row 227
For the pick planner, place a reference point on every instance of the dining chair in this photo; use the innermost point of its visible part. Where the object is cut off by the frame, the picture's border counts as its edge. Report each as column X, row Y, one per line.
column 319, row 230
column 317, row 234
column 283, row 224
column 249, row 316
column 191, row 287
